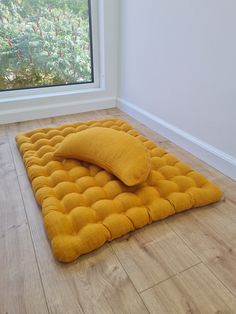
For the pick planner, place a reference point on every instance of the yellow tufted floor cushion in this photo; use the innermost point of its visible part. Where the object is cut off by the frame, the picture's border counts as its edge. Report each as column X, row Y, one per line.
column 84, row 206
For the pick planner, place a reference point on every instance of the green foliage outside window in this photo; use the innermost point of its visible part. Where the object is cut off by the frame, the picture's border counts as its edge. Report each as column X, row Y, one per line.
column 44, row 42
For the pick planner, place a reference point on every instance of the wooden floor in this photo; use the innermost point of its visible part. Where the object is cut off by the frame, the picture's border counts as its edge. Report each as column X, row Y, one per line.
column 185, row 264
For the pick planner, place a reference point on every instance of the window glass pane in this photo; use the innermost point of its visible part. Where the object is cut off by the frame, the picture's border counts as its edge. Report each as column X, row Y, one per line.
column 45, row 43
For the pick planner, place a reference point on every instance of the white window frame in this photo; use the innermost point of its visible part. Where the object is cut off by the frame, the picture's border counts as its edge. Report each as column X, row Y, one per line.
column 39, row 92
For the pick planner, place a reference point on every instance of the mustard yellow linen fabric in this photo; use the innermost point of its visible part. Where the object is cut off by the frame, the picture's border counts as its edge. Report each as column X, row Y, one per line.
column 117, row 152
column 84, row 206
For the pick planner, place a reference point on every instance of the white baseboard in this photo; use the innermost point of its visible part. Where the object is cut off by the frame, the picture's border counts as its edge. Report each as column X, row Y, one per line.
column 204, row 151
column 46, row 111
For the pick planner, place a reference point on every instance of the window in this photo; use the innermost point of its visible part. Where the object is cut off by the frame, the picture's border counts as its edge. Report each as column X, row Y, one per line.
column 45, row 43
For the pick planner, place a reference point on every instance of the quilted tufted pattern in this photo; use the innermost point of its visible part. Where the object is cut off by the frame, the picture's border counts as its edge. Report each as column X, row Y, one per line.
column 84, row 206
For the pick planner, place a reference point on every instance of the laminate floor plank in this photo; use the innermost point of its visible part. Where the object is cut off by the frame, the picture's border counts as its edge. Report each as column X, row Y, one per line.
column 153, row 254
column 21, row 289
column 212, row 237
column 195, row 290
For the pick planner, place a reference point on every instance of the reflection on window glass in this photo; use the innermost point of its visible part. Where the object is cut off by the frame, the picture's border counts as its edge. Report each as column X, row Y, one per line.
column 44, row 43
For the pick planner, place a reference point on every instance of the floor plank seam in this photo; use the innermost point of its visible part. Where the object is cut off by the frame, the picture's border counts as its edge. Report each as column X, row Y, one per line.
column 34, row 249
column 129, row 277
column 172, row 276
column 215, row 275
column 193, row 252
column 205, row 225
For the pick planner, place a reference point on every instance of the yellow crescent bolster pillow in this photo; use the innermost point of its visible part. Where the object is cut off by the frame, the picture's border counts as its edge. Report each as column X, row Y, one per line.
column 119, row 153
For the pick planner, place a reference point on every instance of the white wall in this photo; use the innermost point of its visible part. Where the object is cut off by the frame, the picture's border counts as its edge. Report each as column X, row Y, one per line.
column 178, row 62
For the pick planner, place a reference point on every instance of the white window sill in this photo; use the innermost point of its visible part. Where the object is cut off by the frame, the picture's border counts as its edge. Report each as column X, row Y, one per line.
column 49, row 95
